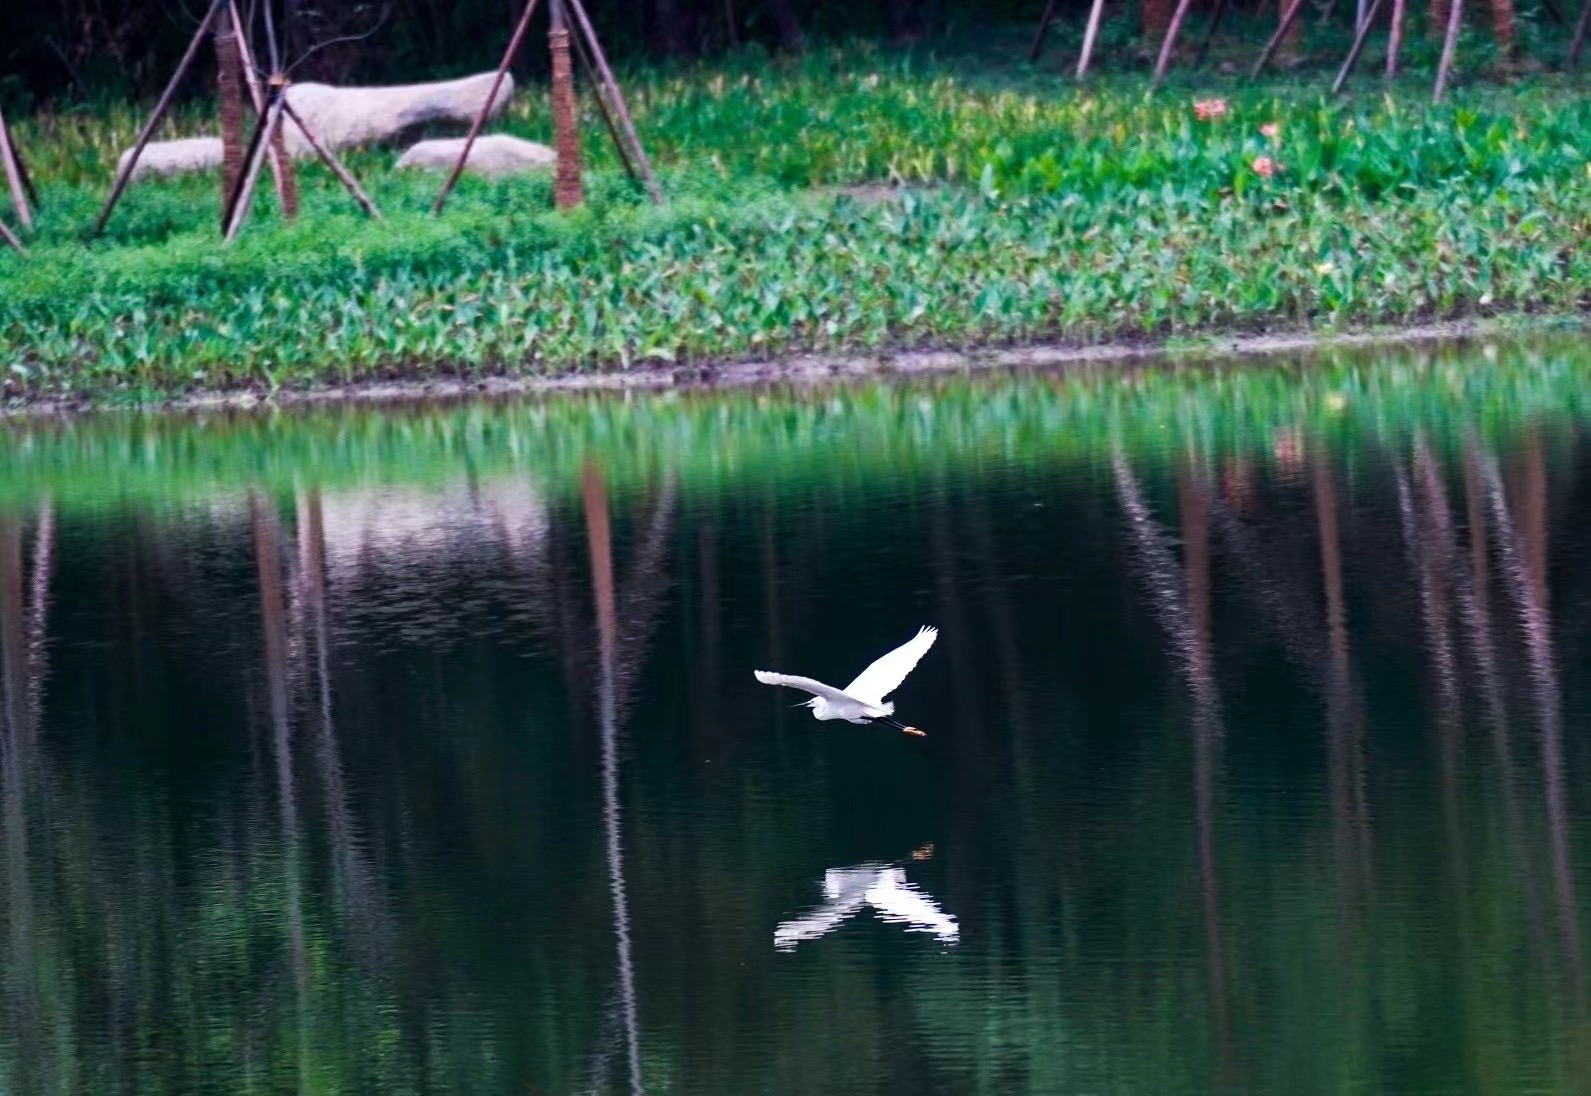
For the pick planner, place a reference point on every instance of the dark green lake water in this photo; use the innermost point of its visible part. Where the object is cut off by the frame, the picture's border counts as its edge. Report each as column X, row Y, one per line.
column 418, row 750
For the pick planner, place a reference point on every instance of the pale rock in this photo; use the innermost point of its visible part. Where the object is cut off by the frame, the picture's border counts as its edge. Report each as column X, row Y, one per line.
column 174, row 157
column 346, row 117
column 492, row 154
column 340, row 118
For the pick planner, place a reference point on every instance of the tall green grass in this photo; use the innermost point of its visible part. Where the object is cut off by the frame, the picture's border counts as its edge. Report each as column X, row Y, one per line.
column 1031, row 210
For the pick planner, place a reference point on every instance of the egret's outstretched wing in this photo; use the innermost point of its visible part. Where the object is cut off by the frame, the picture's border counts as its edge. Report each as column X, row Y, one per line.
column 885, row 675
column 816, row 922
column 805, row 684
column 899, row 901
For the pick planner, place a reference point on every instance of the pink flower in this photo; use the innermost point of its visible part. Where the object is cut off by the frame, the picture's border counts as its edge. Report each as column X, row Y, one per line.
column 1206, row 109
column 1264, row 166
column 1271, row 130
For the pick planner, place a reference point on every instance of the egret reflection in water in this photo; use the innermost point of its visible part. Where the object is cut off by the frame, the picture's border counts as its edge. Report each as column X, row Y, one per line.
column 884, row 887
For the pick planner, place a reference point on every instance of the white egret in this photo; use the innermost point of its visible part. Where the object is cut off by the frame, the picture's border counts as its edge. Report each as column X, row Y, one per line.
column 862, row 701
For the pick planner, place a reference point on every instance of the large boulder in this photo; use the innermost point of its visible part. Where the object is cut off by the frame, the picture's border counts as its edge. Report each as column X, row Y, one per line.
column 344, row 117
column 492, row 154
column 340, row 118
column 174, row 157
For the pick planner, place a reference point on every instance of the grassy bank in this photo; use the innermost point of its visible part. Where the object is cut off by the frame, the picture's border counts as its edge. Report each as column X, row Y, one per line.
column 1031, row 210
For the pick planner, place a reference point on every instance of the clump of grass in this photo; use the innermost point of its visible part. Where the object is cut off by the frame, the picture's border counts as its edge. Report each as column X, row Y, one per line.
column 1033, row 211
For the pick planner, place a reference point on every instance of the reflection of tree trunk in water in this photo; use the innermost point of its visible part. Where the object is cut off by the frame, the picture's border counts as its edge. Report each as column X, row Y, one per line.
column 1475, row 599
column 1537, row 627
column 1181, row 598
column 1193, row 497
column 16, row 762
column 1428, row 531
column 354, row 886
column 1010, row 651
column 1344, row 745
column 273, row 622
column 968, row 739
column 599, row 537
column 39, row 605
column 708, row 683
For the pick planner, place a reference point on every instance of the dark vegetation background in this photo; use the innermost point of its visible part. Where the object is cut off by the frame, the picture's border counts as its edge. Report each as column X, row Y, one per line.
column 53, row 48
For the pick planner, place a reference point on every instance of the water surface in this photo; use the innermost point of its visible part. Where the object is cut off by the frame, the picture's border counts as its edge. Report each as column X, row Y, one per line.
column 417, row 750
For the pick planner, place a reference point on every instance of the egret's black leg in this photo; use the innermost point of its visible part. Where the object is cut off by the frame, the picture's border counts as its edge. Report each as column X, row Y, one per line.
column 898, row 725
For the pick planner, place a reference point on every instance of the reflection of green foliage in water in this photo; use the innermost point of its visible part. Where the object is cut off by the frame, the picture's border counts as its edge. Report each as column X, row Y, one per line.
column 846, row 434
column 1090, row 971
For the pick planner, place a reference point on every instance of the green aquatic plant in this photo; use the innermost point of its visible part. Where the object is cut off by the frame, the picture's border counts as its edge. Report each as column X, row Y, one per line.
column 1027, row 210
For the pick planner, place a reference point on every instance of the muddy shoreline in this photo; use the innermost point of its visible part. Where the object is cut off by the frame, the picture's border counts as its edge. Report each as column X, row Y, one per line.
column 813, row 369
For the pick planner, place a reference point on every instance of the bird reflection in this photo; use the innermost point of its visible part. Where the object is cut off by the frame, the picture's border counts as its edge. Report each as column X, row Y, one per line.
column 848, row 891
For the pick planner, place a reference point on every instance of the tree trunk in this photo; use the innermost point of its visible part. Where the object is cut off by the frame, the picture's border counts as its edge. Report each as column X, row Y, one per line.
column 567, row 189
column 289, row 175
column 1503, row 26
column 1156, row 15
column 791, row 40
column 229, row 89
column 1436, row 21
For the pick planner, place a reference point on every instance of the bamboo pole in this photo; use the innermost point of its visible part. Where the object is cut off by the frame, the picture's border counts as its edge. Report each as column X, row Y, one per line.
column 264, row 130
column 1090, row 32
column 1170, row 40
column 1395, row 37
column 327, row 157
column 15, row 179
column 1359, row 39
column 11, row 238
column 1579, row 35
column 1455, row 17
column 1042, row 32
column 476, row 126
column 1275, row 41
column 124, row 176
column 251, row 78
column 583, row 24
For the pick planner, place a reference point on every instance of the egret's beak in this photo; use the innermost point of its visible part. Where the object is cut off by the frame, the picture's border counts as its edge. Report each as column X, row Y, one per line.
column 915, row 731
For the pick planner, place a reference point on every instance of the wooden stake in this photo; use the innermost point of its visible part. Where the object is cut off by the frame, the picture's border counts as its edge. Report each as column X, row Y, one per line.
column 617, row 98
column 1359, row 38
column 264, row 130
column 280, row 163
column 1044, row 29
column 11, row 238
column 1090, row 32
column 1171, row 39
column 1455, row 16
column 1395, row 37
column 16, row 179
column 486, row 107
column 567, row 189
column 1579, row 34
column 125, row 175
column 326, row 157
column 1282, row 28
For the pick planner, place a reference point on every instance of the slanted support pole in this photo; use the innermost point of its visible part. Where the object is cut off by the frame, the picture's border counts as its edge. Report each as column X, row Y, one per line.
column 124, row 176
column 1360, row 37
column 1455, row 17
column 1090, row 32
column 1170, row 41
column 616, row 98
column 486, row 108
column 1042, row 32
column 17, row 180
column 1276, row 39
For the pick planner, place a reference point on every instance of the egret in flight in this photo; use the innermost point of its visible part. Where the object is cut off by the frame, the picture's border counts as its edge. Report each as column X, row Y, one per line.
column 862, row 701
